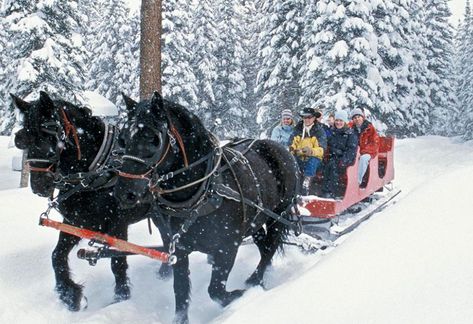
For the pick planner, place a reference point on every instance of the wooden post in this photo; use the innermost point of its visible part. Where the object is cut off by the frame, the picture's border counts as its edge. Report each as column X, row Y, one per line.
column 150, row 48
column 24, row 171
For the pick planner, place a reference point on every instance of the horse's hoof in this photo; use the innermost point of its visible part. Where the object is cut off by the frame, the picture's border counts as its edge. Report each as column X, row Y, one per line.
column 72, row 297
column 254, row 280
column 122, row 293
column 181, row 318
column 229, row 297
column 165, row 272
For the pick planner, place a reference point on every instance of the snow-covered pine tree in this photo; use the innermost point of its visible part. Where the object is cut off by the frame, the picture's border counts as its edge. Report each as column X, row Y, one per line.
column 279, row 49
column 464, row 64
column 115, row 56
column 13, row 11
column 204, row 61
column 44, row 48
column 340, row 69
column 249, row 18
column 390, row 19
column 441, row 66
column 178, row 79
column 230, row 88
column 418, row 122
column 4, row 59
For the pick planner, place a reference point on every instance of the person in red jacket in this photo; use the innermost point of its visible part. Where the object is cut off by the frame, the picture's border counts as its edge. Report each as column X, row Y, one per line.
column 368, row 140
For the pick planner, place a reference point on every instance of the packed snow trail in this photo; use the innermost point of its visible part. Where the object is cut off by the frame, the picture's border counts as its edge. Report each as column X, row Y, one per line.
column 411, row 263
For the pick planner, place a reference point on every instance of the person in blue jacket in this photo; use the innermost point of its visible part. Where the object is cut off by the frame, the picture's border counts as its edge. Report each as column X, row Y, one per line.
column 283, row 131
column 342, row 147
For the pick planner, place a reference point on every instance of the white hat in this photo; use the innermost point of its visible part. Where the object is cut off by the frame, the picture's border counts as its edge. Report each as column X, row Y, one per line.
column 357, row 111
column 287, row 113
column 342, row 115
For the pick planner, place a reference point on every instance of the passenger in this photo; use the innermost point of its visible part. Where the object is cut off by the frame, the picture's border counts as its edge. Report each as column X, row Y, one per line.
column 308, row 144
column 342, row 147
column 282, row 133
column 320, row 121
column 331, row 120
column 368, row 140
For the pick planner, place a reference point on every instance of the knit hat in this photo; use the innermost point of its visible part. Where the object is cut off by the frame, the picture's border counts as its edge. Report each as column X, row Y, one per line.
column 357, row 111
column 342, row 115
column 287, row 113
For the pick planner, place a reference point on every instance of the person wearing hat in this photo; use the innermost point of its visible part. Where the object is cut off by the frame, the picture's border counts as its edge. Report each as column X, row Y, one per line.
column 282, row 133
column 342, row 147
column 368, row 140
column 308, row 143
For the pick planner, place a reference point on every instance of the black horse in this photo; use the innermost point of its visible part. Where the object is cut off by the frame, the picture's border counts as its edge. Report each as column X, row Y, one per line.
column 211, row 197
column 68, row 148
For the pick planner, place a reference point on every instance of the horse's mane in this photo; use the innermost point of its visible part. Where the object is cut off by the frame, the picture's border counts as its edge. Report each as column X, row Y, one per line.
column 188, row 124
column 77, row 113
column 191, row 124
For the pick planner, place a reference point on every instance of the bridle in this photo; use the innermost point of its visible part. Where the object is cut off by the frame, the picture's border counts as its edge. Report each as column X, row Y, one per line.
column 158, row 157
column 61, row 133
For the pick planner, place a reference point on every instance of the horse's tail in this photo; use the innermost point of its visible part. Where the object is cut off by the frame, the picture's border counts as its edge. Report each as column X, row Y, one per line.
column 284, row 168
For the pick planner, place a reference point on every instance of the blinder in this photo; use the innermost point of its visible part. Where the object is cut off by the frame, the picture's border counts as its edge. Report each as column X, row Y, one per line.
column 22, row 140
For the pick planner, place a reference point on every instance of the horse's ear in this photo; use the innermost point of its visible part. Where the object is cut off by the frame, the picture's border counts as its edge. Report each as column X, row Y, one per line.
column 46, row 101
column 157, row 100
column 129, row 103
column 157, row 103
column 22, row 105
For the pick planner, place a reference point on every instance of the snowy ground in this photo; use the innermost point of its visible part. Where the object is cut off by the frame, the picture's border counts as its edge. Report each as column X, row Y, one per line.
column 412, row 263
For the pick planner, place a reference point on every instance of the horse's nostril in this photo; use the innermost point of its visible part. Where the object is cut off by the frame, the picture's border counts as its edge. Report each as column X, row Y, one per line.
column 131, row 197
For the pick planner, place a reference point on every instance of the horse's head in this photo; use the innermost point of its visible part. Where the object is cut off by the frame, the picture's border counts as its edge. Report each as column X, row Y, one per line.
column 52, row 139
column 40, row 138
column 147, row 144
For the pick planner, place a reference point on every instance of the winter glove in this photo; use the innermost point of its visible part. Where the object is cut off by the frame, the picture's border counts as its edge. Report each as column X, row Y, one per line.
column 307, row 151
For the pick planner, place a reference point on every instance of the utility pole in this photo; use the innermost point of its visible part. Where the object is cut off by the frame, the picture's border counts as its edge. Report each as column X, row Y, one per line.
column 150, row 48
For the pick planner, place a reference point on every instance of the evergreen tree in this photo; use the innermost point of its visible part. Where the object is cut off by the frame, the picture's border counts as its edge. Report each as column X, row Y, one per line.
column 44, row 49
column 279, row 49
column 464, row 64
column 418, row 121
column 340, row 62
column 3, row 75
column 230, row 88
column 441, row 65
column 391, row 21
column 205, row 46
column 114, row 60
column 179, row 81
column 248, row 18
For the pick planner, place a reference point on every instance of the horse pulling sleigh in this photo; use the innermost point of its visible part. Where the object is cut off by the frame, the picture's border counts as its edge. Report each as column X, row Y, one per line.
column 201, row 196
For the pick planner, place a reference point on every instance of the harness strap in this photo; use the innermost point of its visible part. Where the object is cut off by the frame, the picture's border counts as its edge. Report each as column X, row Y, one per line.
column 68, row 128
column 229, row 193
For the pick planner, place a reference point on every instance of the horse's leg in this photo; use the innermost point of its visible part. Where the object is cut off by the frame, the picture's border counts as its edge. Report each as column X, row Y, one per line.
column 165, row 270
column 182, row 286
column 222, row 264
column 119, row 267
column 69, row 292
column 267, row 245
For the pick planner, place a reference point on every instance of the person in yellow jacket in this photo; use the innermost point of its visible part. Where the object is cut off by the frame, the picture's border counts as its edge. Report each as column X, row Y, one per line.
column 308, row 142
